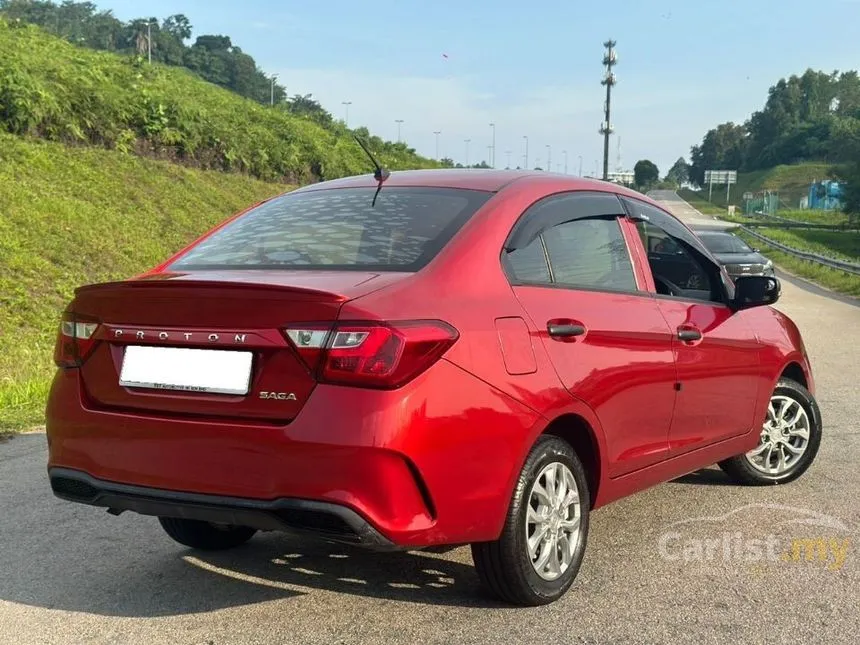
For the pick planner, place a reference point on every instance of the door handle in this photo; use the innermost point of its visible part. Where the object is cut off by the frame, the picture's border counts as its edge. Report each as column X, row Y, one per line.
column 564, row 330
column 688, row 334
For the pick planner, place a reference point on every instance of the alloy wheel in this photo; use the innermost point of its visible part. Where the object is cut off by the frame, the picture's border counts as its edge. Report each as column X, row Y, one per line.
column 784, row 437
column 553, row 521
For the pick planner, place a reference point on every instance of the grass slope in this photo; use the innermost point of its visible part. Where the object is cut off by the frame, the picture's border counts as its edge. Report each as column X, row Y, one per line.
column 826, row 277
column 52, row 89
column 792, row 182
column 843, row 245
column 69, row 216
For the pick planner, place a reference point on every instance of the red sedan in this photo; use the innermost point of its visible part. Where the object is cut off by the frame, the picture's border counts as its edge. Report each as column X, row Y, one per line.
column 466, row 357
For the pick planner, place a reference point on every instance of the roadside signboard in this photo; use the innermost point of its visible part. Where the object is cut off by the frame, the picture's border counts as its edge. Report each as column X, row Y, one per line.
column 720, row 177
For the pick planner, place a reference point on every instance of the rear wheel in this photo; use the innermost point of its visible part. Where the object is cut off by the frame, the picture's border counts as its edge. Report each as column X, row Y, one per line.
column 539, row 553
column 789, row 440
column 205, row 535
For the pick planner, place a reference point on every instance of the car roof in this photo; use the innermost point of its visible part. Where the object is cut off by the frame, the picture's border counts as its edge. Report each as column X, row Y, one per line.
column 475, row 179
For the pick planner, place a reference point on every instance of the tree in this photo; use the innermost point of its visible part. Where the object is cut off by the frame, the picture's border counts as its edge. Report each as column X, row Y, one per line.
column 723, row 148
column 679, row 173
column 177, row 26
column 310, row 108
column 848, row 136
column 213, row 57
column 138, row 31
column 645, row 173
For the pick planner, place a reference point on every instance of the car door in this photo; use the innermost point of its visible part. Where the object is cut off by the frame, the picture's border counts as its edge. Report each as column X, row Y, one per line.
column 717, row 354
column 570, row 267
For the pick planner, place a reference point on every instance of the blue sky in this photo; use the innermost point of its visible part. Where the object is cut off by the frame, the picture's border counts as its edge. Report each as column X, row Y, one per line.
column 532, row 68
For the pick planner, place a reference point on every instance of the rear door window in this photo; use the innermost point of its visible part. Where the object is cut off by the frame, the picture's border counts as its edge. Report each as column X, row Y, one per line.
column 339, row 229
column 571, row 240
column 590, row 253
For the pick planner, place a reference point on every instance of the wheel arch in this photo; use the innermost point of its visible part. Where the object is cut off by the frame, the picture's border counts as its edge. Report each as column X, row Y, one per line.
column 578, row 432
column 794, row 371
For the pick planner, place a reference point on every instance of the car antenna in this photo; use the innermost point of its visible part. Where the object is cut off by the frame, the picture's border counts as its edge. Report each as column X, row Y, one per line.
column 380, row 174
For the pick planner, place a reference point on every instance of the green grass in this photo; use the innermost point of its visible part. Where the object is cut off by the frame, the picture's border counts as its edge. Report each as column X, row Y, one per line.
column 830, row 218
column 52, row 89
column 824, row 276
column 835, row 244
column 792, row 182
column 702, row 205
column 706, row 208
column 71, row 216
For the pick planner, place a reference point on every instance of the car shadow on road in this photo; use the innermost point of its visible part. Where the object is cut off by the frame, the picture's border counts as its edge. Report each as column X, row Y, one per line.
column 165, row 579
column 706, row 477
column 301, row 567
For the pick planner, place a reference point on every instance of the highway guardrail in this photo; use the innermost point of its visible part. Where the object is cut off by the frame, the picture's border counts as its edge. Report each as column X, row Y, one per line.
column 833, row 263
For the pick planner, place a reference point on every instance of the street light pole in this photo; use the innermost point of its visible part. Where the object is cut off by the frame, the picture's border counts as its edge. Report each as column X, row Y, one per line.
column 347, row 104
column 466, row 141
column 548, row 158
column 398, row 122
column 526, row 166
column 272, row 98
column 493, row 162
column 149, row 41
column 564, row 152
column 437, row 133
column 580, row 165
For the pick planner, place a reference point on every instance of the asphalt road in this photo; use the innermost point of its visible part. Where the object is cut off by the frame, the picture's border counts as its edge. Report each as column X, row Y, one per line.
column 73, row 574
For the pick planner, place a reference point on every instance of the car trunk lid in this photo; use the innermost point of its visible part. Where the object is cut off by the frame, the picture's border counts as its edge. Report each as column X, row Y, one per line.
column 160, row 332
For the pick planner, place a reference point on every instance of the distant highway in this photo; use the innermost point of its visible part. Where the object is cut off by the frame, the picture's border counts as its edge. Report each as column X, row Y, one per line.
column 670, row 200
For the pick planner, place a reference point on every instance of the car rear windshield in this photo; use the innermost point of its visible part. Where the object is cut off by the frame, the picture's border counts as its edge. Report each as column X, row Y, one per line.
column 725, row 244
column 339, row 229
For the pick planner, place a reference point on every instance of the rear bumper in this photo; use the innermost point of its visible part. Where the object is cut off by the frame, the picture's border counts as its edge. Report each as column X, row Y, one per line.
column 431, row 463
column 329, row 521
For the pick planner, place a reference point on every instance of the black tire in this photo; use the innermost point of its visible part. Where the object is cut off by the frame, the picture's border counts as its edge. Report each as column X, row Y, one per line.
column 205, row 536
column 504, row 566
column 740, row 469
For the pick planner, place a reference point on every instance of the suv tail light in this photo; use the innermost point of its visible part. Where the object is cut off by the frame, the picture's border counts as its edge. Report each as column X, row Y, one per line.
column 371, row 354
column 74, row 341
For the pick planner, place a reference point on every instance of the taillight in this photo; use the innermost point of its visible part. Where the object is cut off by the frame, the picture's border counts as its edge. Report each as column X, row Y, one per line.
column 74, row 341
column 369, row 354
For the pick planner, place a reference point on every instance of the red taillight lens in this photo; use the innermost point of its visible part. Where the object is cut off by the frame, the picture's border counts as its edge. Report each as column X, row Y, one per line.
column 383, row 355
column 74, row 341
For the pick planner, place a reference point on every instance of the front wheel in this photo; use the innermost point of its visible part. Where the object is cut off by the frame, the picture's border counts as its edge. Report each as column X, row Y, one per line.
column 539, row 553
column 789, row 439
column 205, row 535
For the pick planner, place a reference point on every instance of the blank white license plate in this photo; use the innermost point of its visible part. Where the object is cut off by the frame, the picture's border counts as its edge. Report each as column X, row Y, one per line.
column 193, row 370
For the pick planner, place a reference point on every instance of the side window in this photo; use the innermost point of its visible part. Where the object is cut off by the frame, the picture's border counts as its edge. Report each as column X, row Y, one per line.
column 571, row 239
column 677, row 269
column 528, row 264
column 590, row 253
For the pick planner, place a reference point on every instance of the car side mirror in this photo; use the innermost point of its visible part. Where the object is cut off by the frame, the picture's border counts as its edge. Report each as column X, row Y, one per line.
column 755, row 291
